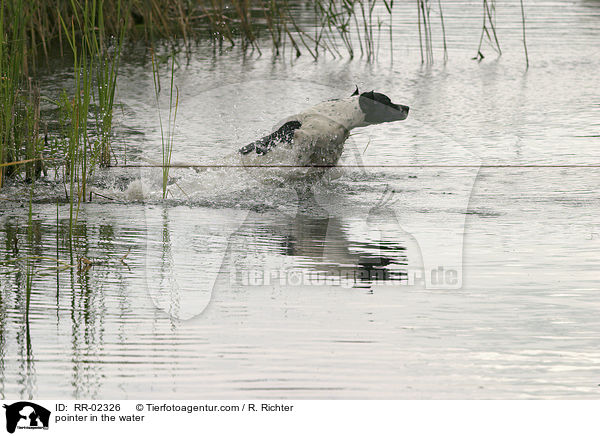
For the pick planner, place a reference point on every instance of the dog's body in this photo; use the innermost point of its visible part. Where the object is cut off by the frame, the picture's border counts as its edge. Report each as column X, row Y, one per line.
column 316, row 136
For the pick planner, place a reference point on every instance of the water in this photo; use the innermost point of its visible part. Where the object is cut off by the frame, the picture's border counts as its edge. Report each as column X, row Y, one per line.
column 416, row 271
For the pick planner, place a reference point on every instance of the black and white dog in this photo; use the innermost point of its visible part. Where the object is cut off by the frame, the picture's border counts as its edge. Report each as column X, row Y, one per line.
column 316, row 136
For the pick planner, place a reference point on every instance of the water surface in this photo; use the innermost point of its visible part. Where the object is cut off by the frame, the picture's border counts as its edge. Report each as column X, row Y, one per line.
column 244, row 284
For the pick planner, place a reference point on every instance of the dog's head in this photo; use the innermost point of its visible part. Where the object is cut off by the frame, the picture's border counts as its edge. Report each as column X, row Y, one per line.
column 378, row 108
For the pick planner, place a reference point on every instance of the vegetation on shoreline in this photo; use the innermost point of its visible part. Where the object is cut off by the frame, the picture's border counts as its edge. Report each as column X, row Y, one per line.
column 92, row 33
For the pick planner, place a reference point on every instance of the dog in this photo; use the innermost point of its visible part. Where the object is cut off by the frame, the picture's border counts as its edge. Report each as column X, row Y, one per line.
column 316, row 137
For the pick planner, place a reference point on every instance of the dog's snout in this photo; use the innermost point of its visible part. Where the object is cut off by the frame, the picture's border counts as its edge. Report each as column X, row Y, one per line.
column 401, row 108
column 401, row 112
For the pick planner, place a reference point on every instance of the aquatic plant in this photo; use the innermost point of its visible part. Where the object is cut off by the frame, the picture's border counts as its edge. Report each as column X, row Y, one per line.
column 166, row 139
column 489, row 23
column 94, row 31
column 443, row 30
column 30, row 265
column 524, row 38
column 19, row 114
column 424, row 23
column 95, row 68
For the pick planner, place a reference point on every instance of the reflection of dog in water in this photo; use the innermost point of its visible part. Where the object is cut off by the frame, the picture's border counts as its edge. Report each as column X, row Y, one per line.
column 319, row 243
column 26, row 414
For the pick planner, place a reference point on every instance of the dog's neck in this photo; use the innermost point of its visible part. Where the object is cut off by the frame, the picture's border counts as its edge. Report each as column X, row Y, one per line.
column 345, row 112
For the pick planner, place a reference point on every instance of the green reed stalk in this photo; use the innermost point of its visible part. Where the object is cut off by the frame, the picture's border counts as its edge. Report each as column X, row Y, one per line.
column 489, row 18
column 366, row 35
column 425, row 9
column 491, row 11
column 273, row 26
column 29, row 267
column 443, row 30
column 389, row 6
column 167, row 142
column 6, row 98
column 95, row 74
column 419, row 24
column 69, row 107
column 107, row 67
column 167, row 154
column 17, row 106
column 77, row 108
column 370, row 28
column 524, row 39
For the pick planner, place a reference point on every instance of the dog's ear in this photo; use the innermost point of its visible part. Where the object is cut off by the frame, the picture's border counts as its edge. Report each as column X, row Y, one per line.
column 366, row 99
column 355, row 92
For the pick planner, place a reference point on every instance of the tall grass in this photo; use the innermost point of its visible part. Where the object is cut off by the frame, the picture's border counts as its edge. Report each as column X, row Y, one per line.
column 488, row 28
column 29, row 271
column 86, row 145
column 425, row 38
column 168, row 137
column 95, row 68
column 92, row 32
column 443, row 30
column 524, row 38
column 19, row 113
column 85, row 28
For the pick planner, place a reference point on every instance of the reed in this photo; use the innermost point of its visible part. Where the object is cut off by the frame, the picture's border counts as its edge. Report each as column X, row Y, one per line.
column 524, row 38
column 488, row 29
column 95, row 70
column 92, row 33
column 424, row 23
column 107, row 67
column 390, row 8
column 29, row 269
column 443, row 30
column 19, row 113
column 167, row 137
